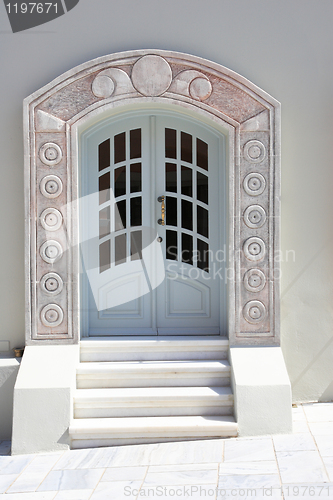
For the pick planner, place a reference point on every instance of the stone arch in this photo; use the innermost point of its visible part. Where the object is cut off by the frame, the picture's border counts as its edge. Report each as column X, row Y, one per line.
column 252, row 119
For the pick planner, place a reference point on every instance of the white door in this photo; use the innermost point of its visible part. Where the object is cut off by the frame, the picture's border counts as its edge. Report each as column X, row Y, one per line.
column 152, row 227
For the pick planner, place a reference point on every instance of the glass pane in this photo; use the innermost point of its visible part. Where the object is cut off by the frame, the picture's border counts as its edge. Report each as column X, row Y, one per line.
column 170, row 143
column 136, row 245
column 187, row 215
column 135, row 143
column 202, row 187
column 104, row 256
column 186, row 181
column 120, row 215
column 120, row 249
column 119, row 147
column 104, row 155
column 171, row 211
column 136, row 211
column 171, row 245
column 203, row 255
column 171, row 177
column 202, row 221
column 202, row 154
column 120, row 181
column 135, row 177
column 186, row 147
column 104, row 222
column 104, row 188
column 187, row 248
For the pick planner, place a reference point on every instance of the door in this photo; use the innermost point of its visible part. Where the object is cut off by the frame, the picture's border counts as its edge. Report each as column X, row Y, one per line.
column 151, row 227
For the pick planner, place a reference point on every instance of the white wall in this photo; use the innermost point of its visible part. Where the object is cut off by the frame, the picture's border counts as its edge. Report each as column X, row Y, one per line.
column 283, row 46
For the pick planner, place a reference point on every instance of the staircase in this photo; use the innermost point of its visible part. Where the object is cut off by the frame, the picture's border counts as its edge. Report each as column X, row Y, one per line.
column 133, row 390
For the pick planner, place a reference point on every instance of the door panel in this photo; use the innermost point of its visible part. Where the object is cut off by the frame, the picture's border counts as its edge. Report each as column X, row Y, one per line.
column 188, row 177
column 140, row 276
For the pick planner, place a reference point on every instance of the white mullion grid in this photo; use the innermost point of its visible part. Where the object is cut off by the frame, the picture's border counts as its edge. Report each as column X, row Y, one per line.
column 178, row 193
column 194, row 195
column 127, row 194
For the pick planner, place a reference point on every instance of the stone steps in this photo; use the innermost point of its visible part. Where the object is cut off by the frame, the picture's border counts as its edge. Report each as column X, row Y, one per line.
column 133, row 390
column 96, row 432
column 152, row 402
column 197, row 373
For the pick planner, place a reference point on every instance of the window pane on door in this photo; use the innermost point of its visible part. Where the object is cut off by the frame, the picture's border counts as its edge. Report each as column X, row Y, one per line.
column 119, row 147
column 104, row 155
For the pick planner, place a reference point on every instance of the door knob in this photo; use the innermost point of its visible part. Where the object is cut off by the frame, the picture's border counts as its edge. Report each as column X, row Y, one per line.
column 160, row 239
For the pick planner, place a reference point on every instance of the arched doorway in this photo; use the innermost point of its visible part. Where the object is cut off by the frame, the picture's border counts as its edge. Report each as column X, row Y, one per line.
column 153, row 216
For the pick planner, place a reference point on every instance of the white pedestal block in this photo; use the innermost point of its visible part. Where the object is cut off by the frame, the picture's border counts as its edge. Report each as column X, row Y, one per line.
column 43, row 399
column 262, row 391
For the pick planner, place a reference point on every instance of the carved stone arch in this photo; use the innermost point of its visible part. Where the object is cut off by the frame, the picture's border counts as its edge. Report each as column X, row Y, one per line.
column 52, row 119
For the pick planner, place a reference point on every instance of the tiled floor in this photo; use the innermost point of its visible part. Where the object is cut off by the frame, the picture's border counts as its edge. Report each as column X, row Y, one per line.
column 299, row 465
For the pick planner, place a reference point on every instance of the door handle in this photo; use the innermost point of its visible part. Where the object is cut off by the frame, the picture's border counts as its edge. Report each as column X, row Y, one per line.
column 161, row 199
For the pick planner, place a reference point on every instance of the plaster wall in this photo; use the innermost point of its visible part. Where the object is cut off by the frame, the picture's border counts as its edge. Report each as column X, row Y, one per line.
column 283, row 47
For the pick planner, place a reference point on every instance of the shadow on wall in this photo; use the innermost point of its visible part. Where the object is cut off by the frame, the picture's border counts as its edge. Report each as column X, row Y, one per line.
column 8, row 373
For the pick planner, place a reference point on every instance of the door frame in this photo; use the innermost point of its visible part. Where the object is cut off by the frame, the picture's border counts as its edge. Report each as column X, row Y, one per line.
column 109, row 118
column 53, row 117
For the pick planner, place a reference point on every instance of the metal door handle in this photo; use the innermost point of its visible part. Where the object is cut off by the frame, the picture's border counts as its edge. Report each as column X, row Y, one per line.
column 161, row 199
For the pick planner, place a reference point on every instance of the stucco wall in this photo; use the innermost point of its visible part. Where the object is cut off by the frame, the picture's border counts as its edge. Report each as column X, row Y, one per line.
column 283, row 47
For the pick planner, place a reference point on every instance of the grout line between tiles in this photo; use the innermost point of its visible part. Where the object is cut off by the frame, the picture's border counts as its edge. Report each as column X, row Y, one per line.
column 316, row 445
column 143, row 481
column 98, row 482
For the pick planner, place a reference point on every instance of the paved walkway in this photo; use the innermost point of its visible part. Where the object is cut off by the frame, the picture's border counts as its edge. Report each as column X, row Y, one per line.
column 299, row 465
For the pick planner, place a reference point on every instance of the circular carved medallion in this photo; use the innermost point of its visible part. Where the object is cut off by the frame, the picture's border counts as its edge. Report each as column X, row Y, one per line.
column 254, row 280
column 51, row 315
column 254, row 249
column 254, row 184
column 51, row 219
column 51, row 283
column 151, row 75
column 254, row 312
column 103, row 86
column 51, row 251
column 200, row 89
column 51, row 186
column 254, row 216
column 50, row 154
column 255, row 151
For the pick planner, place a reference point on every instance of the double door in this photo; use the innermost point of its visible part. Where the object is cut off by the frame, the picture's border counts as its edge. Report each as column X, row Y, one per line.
column 152, row 228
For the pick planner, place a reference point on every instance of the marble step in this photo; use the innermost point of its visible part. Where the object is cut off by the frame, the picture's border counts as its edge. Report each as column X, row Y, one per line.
column 154, row 348
column 152, row 402
column 96, row 432
column 196, row 373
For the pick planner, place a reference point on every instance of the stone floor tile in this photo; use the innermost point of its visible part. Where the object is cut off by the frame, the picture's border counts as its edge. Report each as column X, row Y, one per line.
column 248, row 468
column 181, row 467
column 6, row 480
column 256, row 481
column 116, row 490
column 34, row 473
column 294, row 442
column 300, row 426
column 73, row 495
column 45, row 495
column 124, row 474
column 71, row 480
column 239, row 450
column 321, row 428
column 318, row 412
column 325, row 444
column 180, row 477
column 77, row 459
column 328, row 462
column 14, row 465
column 298, row 414
column 301, row 467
